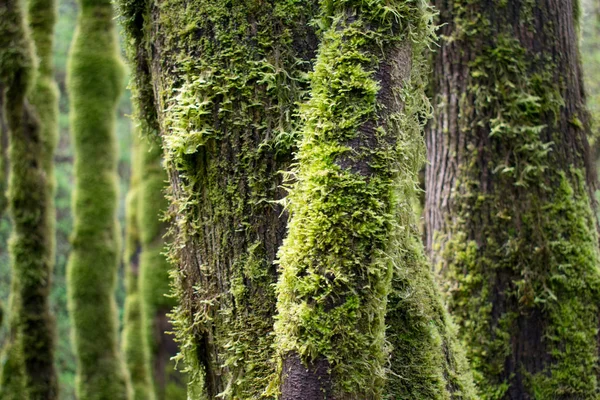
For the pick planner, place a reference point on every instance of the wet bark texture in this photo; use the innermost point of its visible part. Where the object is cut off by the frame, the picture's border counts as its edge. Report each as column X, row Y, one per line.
column 508, row 169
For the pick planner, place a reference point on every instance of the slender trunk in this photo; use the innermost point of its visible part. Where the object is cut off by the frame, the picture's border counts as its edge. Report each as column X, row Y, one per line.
column 135, row 351
column 510, row 213
column 4, row 167
column 225, row 78
column 31, row 347
column 154, row 274
column 44, row 96
column 95, row 83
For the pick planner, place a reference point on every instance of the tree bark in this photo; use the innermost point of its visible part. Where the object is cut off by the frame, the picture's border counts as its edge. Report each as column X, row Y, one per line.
column 95, row 83
column 510, row 214
column 351, row 234
column 224, row 79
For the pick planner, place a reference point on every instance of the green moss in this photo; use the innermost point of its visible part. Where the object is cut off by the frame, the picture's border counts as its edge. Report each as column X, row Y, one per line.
column 351, row 240
column 95, row 83
column 28, row 372
column 44, row 96
column 522, row 249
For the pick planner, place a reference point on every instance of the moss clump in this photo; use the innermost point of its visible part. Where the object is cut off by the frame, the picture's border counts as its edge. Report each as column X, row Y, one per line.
column 134, row 347
column 355, row 180
column 95, row 83
column 44, row 96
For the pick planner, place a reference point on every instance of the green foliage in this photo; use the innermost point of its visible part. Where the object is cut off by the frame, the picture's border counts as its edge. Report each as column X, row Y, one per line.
column 351, row 232
column 95, row 83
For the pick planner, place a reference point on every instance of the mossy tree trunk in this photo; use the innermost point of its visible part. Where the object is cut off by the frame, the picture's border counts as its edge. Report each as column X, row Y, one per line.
column 95, row 82
column 44, row 96
column 352, row 242
column 154, row 287
column 510, row 215
column 135, row 349
column 225, row 78
column 28, row 372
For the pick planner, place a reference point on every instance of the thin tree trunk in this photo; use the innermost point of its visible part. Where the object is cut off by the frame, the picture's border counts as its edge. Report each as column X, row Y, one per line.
column 31, row 347
column 154, row 273
column 95, row 83
column 134, row 347
column 510, row 216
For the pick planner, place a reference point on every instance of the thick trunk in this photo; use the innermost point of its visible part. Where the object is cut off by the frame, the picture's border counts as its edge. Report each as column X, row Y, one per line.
column 510, row 216
column 95, row 83
column 352, row 237
column 225, row 78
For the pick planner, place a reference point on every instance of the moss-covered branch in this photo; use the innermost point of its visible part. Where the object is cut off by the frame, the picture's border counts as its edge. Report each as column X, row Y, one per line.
column 95, row 83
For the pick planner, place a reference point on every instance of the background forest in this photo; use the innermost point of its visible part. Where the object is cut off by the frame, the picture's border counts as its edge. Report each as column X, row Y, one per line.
column 65, row 359
column 65, row 27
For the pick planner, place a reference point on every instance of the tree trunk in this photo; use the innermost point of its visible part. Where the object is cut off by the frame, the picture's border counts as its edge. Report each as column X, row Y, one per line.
column 31, row 347
column 44, row 96
column 224, row 77
column 134, row 347
column 510, row 212
column 95, row 84
column 154, row 273
column 352, row 234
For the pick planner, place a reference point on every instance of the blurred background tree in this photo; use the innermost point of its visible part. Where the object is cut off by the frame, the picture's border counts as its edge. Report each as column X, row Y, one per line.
column 65, row 359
